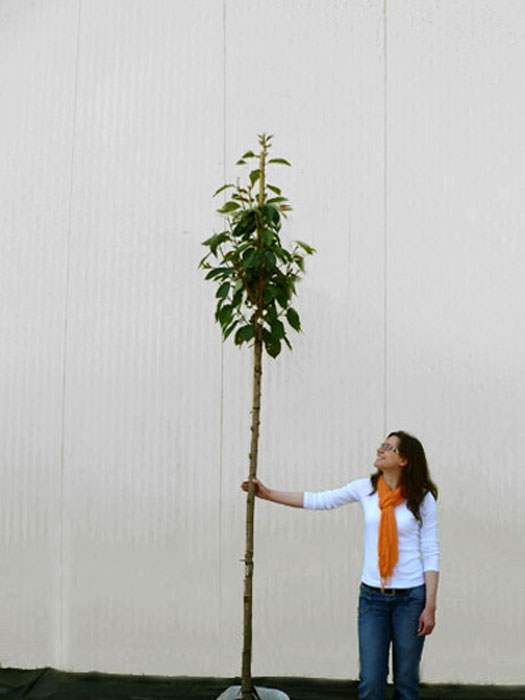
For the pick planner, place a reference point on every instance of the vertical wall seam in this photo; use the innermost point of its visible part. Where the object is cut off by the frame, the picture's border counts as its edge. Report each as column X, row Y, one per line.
column 61, row 602
column 221, row 408
column 385, row 223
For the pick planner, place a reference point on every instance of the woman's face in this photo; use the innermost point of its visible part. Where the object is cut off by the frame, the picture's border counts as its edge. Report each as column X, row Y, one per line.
column 388, row 456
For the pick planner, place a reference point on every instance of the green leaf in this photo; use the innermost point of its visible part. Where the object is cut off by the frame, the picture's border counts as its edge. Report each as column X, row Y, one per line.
column 268, row 236
column 229, row 206
column 271, row 313
column 221, row 189
column 278, row 329
column 203, row 262
column 276, row 200
column 240, row 162
column 246, row 224
column 269, row 259
column 214, row 273
column 293, row 319
column 282, row 295
column 225, row 315
column 220, row 271
column 269, row 295
column 282, row 253
column 249, row 154
column 282, row 161
column 239, row 198
column 223, row 290
column 270, row 214
column 250, row 258
column 254, row 176
column 237, row 297
column 287, row 343
column 282, row 300
column 307, row 248
column 227, row 331
column 215, row 241
column 273, row 188
column 244, row 334
column 272, row 344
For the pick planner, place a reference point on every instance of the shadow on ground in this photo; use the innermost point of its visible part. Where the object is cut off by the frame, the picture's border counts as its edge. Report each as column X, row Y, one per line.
column 47, row 683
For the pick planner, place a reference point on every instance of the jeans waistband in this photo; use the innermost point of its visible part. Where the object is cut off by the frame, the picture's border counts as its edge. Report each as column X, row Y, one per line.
column 387, row 591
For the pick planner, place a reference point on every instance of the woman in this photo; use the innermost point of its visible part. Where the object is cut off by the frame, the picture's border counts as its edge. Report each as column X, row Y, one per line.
column 397, row 597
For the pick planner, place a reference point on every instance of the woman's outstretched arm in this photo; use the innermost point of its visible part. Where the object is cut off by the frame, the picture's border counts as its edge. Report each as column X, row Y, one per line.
column 287, row 498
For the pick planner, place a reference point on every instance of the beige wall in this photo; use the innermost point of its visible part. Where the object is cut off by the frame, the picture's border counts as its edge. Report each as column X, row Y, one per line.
column 125, row 421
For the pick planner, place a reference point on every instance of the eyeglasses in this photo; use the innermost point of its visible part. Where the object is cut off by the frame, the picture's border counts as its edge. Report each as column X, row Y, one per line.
column 387, row 447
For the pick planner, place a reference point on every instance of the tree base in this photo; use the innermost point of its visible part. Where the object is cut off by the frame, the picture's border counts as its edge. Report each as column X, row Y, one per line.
column 234, row 693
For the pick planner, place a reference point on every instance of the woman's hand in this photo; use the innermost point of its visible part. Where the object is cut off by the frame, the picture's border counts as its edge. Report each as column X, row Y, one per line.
column 427, row 622
column 260, row 489
column 287, row 498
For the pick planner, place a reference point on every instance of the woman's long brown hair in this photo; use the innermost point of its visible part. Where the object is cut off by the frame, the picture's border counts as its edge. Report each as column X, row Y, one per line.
column 415, row 476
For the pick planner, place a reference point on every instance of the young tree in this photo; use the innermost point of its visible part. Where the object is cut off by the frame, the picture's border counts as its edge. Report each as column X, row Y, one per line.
column 256, row 277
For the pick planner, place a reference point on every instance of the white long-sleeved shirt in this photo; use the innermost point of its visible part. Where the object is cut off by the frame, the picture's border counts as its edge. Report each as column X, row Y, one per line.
column 417, row 541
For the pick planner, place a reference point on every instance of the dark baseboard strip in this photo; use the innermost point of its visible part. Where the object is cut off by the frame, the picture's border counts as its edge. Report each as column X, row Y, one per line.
column 50, row 684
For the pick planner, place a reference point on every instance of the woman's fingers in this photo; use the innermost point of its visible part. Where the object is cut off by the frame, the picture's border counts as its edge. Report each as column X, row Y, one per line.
column 426, row 624
column 421, row 626
column 245, row 484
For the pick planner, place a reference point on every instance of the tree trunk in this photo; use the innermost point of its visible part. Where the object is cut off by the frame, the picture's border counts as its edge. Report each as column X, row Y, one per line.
column 248, row 691
column 247, row 685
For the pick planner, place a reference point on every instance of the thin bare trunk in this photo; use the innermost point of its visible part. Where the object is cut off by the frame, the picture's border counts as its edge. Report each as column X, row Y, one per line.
column 248, row 691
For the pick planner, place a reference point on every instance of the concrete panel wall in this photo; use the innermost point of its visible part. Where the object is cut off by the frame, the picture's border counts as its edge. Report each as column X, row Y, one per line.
column 37, row 67
column 143, row 361
column 126, row 420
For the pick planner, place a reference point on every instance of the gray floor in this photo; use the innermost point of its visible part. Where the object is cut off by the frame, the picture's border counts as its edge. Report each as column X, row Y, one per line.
column 41, row 684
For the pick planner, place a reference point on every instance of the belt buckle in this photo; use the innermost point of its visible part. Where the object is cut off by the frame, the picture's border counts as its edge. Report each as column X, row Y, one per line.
column 389, row 593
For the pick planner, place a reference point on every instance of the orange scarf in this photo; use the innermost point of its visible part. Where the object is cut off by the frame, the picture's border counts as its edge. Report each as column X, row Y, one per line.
column 387, row 549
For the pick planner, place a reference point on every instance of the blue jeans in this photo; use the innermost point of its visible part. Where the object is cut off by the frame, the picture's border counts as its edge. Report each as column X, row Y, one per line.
column 385, row 618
